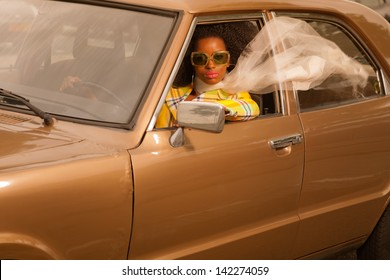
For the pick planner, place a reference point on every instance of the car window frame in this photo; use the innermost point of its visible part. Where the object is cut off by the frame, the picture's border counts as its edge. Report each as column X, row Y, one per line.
column 384, row 83
column 279, row 94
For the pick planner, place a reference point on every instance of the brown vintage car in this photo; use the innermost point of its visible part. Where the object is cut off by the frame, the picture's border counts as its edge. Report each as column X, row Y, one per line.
column 86, row 175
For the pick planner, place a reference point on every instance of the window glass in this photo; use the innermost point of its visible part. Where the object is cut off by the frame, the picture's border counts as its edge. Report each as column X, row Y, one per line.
column 332, row 92
column 63, row 41
column 80, row 61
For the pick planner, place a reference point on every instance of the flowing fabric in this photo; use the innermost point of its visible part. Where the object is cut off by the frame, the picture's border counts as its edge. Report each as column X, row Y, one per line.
column 290, row 51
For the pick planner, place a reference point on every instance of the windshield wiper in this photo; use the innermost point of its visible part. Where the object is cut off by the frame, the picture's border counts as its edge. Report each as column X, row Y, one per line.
column 47, row 118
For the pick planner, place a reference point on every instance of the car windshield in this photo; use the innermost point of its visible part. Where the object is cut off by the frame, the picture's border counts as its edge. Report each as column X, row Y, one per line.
column 80, row 61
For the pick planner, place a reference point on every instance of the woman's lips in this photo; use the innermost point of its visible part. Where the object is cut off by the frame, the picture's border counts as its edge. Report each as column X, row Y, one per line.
column 211, row 75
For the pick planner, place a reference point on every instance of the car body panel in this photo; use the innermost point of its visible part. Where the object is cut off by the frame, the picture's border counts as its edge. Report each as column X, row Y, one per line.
column 74, row 234
column 342, row 184
column 69, row 178
column 75, row 190
column 177, row 211
column 380, row 6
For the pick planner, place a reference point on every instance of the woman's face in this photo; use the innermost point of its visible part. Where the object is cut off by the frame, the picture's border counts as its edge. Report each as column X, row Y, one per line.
column 211, row 73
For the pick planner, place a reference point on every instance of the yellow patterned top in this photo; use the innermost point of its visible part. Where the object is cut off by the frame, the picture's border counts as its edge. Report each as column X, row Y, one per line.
column 240, row 105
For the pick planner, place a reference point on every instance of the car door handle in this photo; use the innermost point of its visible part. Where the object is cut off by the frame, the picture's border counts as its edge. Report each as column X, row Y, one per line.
column 284, row 142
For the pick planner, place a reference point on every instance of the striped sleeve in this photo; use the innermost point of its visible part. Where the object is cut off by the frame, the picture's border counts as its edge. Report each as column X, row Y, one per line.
column 241, row 107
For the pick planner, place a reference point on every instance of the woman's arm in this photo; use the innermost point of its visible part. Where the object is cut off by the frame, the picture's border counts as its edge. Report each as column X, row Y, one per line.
column 240, row 106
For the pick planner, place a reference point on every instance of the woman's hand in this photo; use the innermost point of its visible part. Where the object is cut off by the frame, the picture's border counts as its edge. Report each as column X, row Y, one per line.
column 69, row 82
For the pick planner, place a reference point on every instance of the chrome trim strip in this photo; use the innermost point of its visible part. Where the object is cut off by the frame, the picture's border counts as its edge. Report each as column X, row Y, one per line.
column 386, row 83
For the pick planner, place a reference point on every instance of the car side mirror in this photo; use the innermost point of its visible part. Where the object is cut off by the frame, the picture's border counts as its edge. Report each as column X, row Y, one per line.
column 201, row 115
column 198, row 115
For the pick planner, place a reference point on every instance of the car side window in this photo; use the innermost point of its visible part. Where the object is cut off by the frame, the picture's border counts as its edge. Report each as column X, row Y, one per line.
column 194, row 80
column 332, row 92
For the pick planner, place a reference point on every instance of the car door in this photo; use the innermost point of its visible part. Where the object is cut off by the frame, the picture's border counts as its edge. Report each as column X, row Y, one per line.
column 346, row 156
column 231, row 195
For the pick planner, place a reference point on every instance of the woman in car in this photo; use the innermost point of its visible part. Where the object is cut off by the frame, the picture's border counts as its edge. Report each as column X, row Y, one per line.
column 213, row 51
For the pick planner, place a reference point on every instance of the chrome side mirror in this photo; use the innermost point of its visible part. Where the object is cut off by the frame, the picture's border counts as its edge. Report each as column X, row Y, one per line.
column 201, row 115
column 198, row 115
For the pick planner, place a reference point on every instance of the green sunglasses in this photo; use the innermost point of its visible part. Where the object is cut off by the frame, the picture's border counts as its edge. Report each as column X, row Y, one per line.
column 201, row 59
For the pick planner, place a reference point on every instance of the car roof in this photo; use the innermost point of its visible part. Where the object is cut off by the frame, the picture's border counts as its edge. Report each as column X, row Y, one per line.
column 198, row 6
column 370, row 24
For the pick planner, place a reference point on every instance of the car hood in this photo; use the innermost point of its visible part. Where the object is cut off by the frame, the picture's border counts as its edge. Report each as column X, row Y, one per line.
column 27, row 143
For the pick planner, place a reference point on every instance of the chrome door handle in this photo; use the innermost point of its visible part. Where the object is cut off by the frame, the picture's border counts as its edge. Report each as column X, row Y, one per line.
column 284, row 142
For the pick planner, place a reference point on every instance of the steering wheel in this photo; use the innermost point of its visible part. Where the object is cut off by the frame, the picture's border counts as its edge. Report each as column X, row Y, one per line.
column 94, row 91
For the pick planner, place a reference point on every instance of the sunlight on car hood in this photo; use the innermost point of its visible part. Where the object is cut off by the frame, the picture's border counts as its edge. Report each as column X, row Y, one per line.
column 31, row 144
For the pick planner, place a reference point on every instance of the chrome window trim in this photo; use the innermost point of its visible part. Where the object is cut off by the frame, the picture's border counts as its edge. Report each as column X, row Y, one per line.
column 386, row 83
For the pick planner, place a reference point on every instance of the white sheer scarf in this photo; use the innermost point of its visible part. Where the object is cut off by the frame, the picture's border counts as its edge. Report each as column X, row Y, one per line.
column 201, row 87
column 304, row 61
